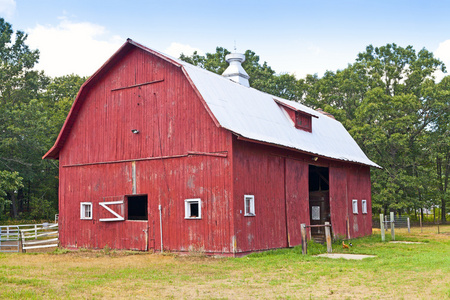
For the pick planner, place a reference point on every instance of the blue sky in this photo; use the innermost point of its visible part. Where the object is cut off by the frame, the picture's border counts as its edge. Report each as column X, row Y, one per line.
column 299, row 37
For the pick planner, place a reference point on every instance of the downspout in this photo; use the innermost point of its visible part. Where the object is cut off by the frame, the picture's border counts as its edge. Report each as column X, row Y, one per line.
column 160, row 228
column 286, row 205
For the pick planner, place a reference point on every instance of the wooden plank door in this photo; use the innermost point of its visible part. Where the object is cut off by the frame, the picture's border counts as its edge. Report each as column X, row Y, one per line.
column 297, row 199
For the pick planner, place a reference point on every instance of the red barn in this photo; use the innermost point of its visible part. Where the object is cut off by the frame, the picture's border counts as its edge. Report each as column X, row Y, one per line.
column 159, row 154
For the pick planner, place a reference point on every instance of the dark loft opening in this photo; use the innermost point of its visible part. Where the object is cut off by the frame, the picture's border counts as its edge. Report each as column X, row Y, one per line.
column 194, row 209
column 319, row 200
column 137, row 207
column 318, row 179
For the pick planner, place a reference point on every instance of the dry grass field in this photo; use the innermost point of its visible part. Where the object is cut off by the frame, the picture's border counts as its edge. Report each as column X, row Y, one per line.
column 399, row 271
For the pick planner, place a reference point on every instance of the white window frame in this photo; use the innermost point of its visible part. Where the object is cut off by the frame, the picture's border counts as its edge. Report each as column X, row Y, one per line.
column 355, row 206
column 250, row 198
column 187, row 208
column 83, row 205
column 364, row 206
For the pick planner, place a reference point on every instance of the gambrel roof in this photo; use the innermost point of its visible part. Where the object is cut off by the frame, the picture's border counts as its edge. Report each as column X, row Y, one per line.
column 248, row 113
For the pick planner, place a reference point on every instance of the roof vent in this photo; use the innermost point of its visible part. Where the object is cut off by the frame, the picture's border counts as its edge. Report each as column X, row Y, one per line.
column 235, row 71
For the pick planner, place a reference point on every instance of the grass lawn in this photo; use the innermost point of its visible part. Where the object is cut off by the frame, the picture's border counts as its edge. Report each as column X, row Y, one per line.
column 399, row 271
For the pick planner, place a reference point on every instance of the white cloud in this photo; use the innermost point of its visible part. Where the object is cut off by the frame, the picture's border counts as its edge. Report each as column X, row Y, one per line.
column 175, row 49
column 78, row 48
column 7, row 7
column 443, row 53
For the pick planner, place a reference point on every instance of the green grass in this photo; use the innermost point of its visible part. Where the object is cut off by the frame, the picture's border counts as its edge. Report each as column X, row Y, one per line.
column 399, row 271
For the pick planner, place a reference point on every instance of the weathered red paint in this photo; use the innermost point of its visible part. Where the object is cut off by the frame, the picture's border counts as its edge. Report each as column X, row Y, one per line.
column 181, row 153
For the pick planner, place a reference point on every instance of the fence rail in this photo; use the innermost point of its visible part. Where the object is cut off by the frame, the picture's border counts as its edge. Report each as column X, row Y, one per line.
column 42, row 236
column 9, row 239
column 14, row 238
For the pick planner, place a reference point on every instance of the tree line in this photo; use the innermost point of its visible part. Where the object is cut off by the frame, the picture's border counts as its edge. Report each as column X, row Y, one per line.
column 33, row 108
column 391, row 104
column 387, row 99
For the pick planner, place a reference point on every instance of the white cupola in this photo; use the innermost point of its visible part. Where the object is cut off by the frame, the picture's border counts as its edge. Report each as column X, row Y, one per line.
column 235, row 71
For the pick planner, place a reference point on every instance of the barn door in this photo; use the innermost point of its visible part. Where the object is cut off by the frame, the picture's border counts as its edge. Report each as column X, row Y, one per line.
column 296, row 199
column 112, row 210
column 338, row 202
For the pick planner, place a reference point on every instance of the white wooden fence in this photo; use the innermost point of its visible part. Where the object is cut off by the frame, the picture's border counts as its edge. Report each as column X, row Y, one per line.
column 9, row 239
column 29, row 236
column 42, row 236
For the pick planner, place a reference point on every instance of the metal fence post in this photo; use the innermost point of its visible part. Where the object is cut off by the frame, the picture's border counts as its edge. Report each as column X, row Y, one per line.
column 382, row 227
column 328, row 237
column 392, row 226
column 409, row 225
column 304, row 241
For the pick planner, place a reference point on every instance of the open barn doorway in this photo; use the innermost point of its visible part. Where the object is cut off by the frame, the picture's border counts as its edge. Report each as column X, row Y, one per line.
column 319, row 200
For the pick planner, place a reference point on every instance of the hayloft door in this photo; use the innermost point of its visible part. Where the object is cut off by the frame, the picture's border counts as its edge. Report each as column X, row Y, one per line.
column 113, row 209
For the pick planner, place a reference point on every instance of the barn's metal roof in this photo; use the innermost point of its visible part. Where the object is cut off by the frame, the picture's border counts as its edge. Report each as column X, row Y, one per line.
column 255, row 115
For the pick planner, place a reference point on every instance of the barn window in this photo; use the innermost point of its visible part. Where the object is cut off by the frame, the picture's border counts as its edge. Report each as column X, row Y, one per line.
column 364, row 206
column 137, row 208
column 86, row 211
column 249, row 205
column 355, row 206
column 303, row 121
column 192, row 209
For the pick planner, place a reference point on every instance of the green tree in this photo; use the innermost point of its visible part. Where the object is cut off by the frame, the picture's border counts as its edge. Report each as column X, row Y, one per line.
column 19, row 85
column 33, row 108
column 439, row 144
column 262, row 76
column 385, row 99
column 10, row 183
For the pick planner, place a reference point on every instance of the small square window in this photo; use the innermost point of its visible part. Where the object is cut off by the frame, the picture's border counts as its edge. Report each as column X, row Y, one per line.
column 85, row 210
column 302, row 121
column 355, row 206
column 249, row 205
column 192, row 209
column 364, row 206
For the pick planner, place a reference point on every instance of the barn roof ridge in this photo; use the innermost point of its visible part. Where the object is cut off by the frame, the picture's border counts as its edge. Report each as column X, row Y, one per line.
column 245, row 111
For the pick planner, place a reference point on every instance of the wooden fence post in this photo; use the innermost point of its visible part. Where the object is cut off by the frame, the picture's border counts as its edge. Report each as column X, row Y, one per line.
column 409, row 225
column 382, row 227
column 328, row 237
column 304, row 241
column 348, row 228
column 392, row 225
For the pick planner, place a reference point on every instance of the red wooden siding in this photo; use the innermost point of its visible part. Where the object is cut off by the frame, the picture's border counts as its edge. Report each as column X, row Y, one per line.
column 175, row 131
column 169, row 115
column 180, row 153
column 339, row 202
column 279, row 180
column 358, row 180
column 169, row 182
column 258, row 173
column 297, row 198
column 90, row 186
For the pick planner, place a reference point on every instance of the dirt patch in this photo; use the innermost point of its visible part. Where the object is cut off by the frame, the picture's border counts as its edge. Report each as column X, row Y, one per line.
column 405, row 242
column 346, row 256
